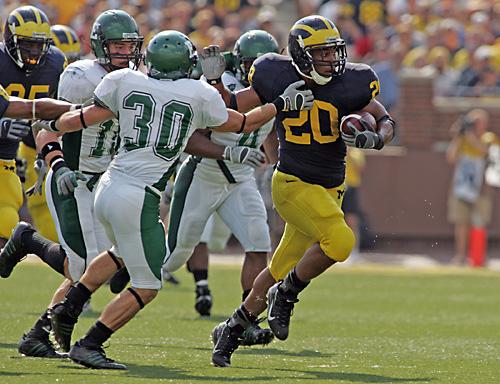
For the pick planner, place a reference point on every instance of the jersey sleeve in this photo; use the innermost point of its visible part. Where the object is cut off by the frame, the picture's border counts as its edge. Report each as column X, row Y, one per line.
column 366, row 87
column 74, row 87
column 215, row 112
column 262, row 78
column 4, row 101
column 106, row 93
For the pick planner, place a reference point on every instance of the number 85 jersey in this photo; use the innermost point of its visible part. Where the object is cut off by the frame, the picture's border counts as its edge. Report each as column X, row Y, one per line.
column 310, row 144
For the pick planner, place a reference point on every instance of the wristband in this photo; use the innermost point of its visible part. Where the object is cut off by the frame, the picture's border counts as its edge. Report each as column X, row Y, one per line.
column 279, row 103
column 57, row 163
column 82, row 120
column 243, row 124
column 233, row 103
column 50, row 147
column 214, row 81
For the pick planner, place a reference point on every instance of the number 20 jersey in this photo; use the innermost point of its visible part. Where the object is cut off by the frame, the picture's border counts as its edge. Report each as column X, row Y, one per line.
column 310, row 144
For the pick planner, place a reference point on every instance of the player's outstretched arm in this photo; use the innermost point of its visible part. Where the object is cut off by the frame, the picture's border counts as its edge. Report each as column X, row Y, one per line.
column 292, row 99
column 44, row 108
column 200, row 145
column 80, row 119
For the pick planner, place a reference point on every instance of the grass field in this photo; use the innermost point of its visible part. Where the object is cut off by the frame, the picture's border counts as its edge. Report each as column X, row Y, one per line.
column 353, row 325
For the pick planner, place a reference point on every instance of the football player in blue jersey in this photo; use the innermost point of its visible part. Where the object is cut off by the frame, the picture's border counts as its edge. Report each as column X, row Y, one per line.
column 30, row 69
column 308, row 184
column 66, row 39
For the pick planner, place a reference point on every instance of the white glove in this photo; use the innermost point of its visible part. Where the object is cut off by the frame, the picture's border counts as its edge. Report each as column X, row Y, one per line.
column 366, row 139
column 67, row 180
column 48, row 125
column 294, row 99
column 244, row 155
column 41, row 170
column 212, row 63
column 14, row 129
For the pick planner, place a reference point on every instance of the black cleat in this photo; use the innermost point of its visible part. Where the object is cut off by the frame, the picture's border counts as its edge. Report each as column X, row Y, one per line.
column 13, row 251
column 63, row 323
column 255, row 335
column 203, row 301
column 279, row 311
column 119, row 280
column 93, row 357
column 225, row 343
column 39, row 346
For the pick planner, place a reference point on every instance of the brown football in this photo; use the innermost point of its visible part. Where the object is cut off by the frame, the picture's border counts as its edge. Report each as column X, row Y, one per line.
column 353, row 121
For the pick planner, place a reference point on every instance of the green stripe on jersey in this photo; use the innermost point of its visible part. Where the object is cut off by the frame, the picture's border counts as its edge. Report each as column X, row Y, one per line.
column 72, row 145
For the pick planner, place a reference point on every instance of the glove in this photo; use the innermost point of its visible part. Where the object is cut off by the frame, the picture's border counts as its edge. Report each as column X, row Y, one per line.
column 48, row 125
column 40, row 167
column 294, row 99
column 244, row 155
column 366, row 139
column 212, row 63
column 14, row 129
column 67, row 180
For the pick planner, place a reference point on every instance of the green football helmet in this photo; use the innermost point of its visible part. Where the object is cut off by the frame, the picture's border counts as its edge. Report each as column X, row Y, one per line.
column 248, row 47
column 170, row 55
column 115, row 25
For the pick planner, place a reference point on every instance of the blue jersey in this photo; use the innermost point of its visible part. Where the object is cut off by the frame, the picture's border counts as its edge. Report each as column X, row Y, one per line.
column 42, row 82
column 4, row 101
column 311, row 147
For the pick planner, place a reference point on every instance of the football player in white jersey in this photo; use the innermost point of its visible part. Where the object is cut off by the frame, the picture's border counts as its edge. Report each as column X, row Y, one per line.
column 204, row 187
column 157, row 114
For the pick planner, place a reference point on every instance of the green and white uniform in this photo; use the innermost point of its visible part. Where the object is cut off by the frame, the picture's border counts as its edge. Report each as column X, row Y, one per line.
column 90, row 151
column 156, row 119
column 205, row 186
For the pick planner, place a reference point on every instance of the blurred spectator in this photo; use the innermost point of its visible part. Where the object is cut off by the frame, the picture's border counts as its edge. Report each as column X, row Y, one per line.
column 469, row 203
column 386, row 70
column 446, row 77
column 202, row 22
column 351, row 206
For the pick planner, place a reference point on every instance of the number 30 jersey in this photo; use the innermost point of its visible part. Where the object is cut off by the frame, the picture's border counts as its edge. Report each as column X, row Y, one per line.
column 310, row 144
column 91, row 149
column 156, row 119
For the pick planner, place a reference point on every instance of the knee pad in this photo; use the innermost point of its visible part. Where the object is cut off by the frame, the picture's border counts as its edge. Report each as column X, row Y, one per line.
column 339, row 244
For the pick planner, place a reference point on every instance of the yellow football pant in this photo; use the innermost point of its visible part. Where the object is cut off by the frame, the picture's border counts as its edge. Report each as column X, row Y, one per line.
column 11, row 197
column 37, row 205
column 312, row 215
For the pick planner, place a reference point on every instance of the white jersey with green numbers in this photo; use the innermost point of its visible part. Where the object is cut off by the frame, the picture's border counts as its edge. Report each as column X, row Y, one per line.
column 239, row 172
column 156, row 119
column 91, row 149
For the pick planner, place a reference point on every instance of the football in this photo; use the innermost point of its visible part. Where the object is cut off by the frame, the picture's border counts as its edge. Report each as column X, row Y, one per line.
column 349, row 122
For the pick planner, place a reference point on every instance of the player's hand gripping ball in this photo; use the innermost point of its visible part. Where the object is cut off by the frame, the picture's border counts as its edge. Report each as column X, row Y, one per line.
column 360, row 130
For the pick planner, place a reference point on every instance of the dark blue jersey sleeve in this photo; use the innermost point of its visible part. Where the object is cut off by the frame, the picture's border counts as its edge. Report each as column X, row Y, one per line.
column 364, row 86
column 4, row 101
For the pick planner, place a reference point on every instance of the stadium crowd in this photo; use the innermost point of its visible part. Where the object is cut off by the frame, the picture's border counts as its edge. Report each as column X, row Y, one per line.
column 458, row 41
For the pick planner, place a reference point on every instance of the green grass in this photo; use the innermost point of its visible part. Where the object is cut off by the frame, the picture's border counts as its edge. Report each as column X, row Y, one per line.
column 354, row 325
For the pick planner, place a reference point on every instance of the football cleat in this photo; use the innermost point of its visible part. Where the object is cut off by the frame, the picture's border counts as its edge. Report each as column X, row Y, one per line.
column 13, row 251
column 225, row 343
column 203, row 301
column 93, row 357
column 169, row 278
column 39, row 346
column 62, row 322
column 119, row 280
column 255, row 335
column 279, row 311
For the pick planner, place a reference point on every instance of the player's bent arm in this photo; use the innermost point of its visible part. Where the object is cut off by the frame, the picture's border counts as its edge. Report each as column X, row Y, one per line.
column 248, row 122
column 385, row 124
column 243, row 100
column 44, row 108
column 200, row 145
column 80, row 119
